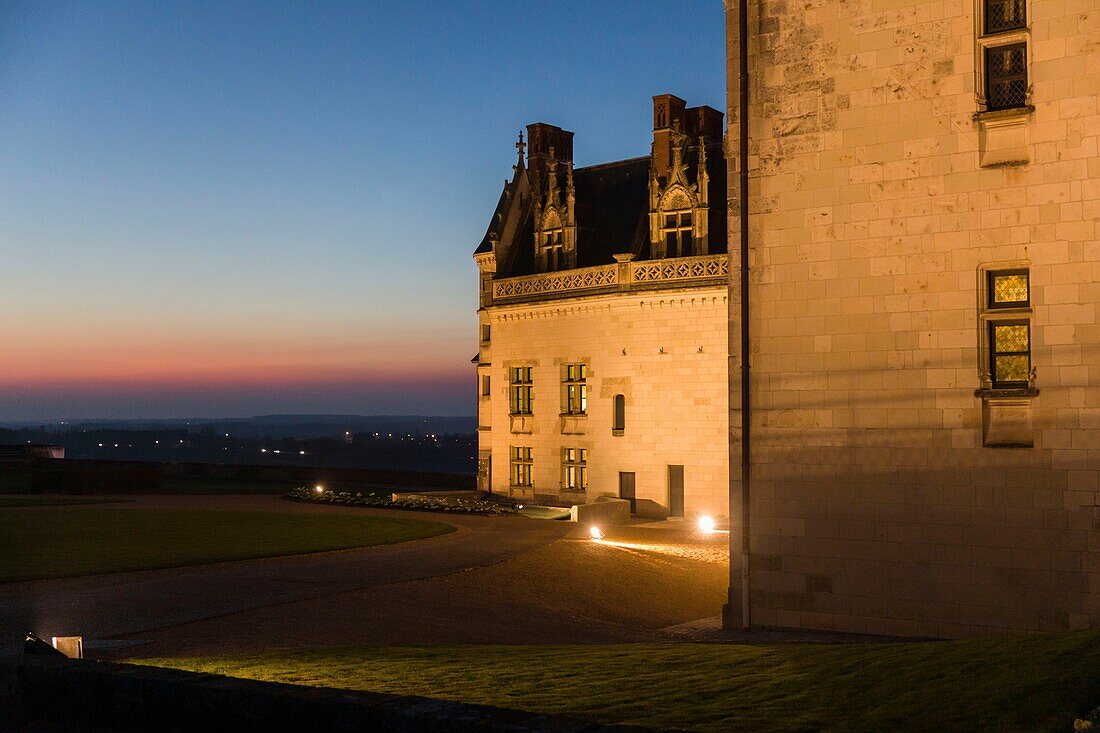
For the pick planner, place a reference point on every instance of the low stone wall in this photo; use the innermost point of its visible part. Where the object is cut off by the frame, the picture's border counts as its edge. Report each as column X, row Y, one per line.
column 604, row 511
column 43, row 692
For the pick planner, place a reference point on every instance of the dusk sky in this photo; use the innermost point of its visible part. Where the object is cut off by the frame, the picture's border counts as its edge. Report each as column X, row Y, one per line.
column 231, row 209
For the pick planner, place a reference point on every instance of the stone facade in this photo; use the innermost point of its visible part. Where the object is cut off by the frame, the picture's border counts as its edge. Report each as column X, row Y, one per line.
column 664, row 351
column 899, row 486
column 602, row 356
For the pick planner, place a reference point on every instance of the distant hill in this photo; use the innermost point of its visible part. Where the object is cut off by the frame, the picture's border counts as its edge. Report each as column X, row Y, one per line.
column 289, row 426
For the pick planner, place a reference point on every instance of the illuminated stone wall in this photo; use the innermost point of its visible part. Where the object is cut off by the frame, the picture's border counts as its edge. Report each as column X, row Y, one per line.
column 879, row 198
column 664, row 351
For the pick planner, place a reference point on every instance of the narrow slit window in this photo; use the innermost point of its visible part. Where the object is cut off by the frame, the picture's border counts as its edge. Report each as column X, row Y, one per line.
column 618, row 424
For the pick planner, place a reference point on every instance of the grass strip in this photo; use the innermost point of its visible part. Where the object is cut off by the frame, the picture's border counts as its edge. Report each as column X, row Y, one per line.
column 54, row 542
column 1031, row 683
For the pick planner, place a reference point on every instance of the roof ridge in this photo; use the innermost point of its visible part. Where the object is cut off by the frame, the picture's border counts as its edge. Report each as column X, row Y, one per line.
column 611, row 163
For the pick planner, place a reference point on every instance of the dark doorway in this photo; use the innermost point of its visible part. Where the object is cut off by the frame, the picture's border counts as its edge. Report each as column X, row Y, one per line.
column 675, row 491
column 626, row 489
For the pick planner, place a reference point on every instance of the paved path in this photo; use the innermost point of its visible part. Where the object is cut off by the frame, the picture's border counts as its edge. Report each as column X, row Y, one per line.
column 109, row 606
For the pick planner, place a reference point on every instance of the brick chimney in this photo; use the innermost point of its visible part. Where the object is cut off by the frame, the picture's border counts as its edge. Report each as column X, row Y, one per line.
column 703, row 121
column 540, row 138
column 668, row 115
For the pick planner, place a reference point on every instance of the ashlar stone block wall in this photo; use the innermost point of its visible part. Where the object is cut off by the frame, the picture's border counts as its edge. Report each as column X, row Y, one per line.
column 664, row 351
column 878, row 197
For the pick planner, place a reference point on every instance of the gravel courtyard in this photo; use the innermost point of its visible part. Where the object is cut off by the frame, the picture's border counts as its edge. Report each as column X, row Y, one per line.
column 512, row 580
column 627, row 588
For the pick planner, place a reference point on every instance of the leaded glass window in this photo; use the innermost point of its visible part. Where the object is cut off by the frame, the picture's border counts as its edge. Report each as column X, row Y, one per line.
column 1010, row 353
column 1006, row 76
column 1004, row 15
column 1009, row 289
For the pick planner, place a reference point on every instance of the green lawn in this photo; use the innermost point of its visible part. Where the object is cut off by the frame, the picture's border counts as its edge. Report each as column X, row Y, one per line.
column 68, row 541
column 1032, row 683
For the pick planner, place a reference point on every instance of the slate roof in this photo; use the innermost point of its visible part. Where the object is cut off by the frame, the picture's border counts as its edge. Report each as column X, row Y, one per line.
column 612, row 212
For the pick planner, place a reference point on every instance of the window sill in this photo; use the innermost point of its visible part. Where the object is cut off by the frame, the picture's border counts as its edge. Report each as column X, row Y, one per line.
column 572, row 424
column 1006, row 392
column 997, row 115
column 1007, row 420
column 573, row 414
column 618, row 433
column 521, row 423
column 1002, row 137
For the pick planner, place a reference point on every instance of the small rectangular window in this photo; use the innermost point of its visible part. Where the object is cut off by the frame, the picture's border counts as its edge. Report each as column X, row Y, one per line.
column 520, row 390
column 485, row 333
column 575, row 388
column 1006, row 76
column 1004, row 15
column 1009, row 289
column 485, row 386
column 1010, row 353
column 574, row 465
column 520, row 465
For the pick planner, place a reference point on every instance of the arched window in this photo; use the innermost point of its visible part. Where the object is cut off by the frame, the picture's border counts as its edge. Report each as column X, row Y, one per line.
column 618, row 424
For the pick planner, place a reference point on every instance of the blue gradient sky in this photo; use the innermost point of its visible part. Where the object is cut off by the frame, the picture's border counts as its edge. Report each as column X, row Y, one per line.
column 215, row 209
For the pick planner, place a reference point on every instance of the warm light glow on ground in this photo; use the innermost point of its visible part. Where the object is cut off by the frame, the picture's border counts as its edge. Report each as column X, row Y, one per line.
column 716, row 552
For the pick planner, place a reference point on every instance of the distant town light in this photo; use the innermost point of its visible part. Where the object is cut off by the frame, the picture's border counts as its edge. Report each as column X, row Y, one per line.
column 301, row 452
column 596, row 533
column 706, row 525
column 319, row 489
column 263, row 450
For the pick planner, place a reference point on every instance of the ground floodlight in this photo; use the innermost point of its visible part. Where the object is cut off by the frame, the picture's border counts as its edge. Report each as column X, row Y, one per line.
column 596, row 533
column 706, row 525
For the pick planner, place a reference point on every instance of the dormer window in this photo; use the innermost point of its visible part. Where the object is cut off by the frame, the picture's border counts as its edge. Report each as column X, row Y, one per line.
column 677, row 230
column 551, row 247
column 551, row 239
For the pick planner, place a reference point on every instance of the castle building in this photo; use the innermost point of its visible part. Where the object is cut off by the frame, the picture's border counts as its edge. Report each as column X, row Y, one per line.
column 602, row 358
column 924, row 280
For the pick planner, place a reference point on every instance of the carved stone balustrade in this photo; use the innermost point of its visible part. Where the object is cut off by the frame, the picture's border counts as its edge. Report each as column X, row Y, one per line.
column 624, row 276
